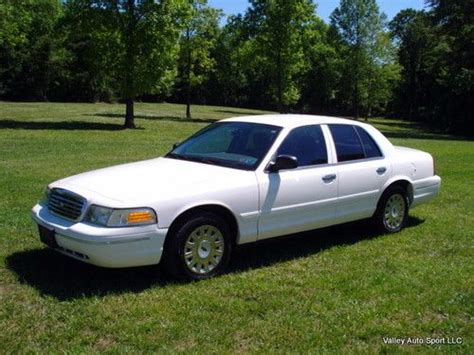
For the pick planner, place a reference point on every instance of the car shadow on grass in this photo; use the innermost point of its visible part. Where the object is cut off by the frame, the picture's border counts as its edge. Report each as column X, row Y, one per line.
column 243, row 112
column 271, row 251
column 422, row 135
column 158, row 118
column 53, row 274
column 60, row 125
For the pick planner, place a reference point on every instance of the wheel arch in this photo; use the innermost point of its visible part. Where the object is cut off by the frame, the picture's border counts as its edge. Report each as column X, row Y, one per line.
column 214, row 208
column 404, row 183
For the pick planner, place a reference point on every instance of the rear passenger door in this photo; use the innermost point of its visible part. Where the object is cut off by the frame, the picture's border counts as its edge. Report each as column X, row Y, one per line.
column 362, row 171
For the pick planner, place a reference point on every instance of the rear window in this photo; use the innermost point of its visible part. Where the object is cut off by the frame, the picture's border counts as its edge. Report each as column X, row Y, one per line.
column 347, row 141
column 370, row 147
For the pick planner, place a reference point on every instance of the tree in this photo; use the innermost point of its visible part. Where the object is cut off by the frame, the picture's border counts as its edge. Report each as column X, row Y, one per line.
column 227, row 84
column 146, row 33
column 384, row 75
column 198, row 40
column 31, row 51
column 436, row 53
column 414, row 34
column 91, row 67
column 12, row 36
column 454, row 25
column 319, row 82
column 360, row 24
column 280, row 27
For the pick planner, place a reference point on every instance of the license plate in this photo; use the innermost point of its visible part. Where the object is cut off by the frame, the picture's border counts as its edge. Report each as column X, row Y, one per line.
column 47, row 236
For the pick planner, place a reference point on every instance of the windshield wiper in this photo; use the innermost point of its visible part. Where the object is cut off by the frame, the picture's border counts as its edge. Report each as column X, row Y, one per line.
column 175, row 156
column 204, row 160
column 191, row 158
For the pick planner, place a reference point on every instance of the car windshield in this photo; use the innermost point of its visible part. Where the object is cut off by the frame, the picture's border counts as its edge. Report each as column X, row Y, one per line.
column 240, row 145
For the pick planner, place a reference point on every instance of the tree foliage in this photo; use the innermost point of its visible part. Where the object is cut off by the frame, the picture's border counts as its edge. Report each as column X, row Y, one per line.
column 197, row 41
column 436, row 52
column 282, row 26
column 454, row 24
column 142, row 44
column 360, row 26
column 277, row 55
column 320, row 81
column 31, row 54
column 416, row 42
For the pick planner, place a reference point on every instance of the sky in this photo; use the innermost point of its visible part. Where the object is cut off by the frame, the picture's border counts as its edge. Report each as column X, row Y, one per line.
column 325, row 7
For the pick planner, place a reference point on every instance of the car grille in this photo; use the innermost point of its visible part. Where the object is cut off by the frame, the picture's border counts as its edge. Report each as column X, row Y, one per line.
column 66, row 204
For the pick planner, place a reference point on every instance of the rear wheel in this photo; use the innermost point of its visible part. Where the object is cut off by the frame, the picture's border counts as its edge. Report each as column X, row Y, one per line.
column 199, row 247
column 392, row 210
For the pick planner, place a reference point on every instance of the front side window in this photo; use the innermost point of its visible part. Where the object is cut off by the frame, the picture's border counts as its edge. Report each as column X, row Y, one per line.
column 307, row 144
column 348, row 145
column 240, row 145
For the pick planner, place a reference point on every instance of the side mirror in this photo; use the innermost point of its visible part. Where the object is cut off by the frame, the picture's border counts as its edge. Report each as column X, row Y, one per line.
column 176, row 144
column 283, row 162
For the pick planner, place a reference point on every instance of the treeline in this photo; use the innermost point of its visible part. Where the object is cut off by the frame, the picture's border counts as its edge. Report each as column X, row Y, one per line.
column 277, row 55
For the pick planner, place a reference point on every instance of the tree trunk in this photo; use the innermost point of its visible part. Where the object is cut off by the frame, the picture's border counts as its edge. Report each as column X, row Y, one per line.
column 129, row 114
column 279, row 83
column 188, row 110
column 412, row 99
column 188, row 87
column 129, row 89
column 356, row 101
column 356, row 69
column 280, row 100
column 188, row 74
column 369, row 101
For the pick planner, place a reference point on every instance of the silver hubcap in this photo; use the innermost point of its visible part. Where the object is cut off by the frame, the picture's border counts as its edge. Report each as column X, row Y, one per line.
column 203, row 249
column 394, row 211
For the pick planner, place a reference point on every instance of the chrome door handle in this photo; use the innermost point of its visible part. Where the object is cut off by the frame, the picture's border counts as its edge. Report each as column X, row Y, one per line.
column 329, row 178
column 381, row 170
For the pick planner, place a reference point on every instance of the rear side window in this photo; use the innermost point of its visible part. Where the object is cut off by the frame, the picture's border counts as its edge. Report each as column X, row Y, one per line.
column 348, row 145
column 307, row 144
column 370, row 147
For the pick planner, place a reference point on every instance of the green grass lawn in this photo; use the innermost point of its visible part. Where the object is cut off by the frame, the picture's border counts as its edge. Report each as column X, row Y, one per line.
column 341, row 288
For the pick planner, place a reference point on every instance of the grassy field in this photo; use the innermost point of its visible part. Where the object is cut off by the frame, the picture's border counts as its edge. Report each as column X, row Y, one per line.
column 340, row 288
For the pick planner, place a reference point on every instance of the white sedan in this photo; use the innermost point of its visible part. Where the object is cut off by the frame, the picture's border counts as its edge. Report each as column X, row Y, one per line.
column 236, row 181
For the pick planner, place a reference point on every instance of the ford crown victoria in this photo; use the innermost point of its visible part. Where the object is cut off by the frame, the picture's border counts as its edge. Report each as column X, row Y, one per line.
column 236, row 181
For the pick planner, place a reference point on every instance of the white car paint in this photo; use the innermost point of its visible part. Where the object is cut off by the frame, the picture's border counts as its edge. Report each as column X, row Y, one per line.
column 264, row 204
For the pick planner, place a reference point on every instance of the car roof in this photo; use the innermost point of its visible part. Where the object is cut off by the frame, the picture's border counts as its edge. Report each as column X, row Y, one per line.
column 292, row 120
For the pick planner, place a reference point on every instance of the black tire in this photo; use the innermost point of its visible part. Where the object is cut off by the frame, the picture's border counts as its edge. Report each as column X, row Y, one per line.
column 178, row 264
column 391, row 222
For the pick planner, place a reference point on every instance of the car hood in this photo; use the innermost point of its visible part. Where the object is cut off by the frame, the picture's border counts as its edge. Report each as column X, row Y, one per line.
column 135, row 184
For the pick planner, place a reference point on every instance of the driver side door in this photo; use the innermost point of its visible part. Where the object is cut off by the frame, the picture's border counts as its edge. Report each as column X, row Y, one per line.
column 303, row 198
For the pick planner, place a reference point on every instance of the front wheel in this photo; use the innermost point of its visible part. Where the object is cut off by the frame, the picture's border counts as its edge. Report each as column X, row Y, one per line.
column 392, row 210
column 199, row 248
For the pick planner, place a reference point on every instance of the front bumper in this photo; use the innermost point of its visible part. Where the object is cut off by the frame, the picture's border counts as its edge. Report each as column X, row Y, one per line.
column 107, row 247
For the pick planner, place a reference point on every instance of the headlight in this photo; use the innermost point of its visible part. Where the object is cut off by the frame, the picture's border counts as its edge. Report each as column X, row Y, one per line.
column 109, row 217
